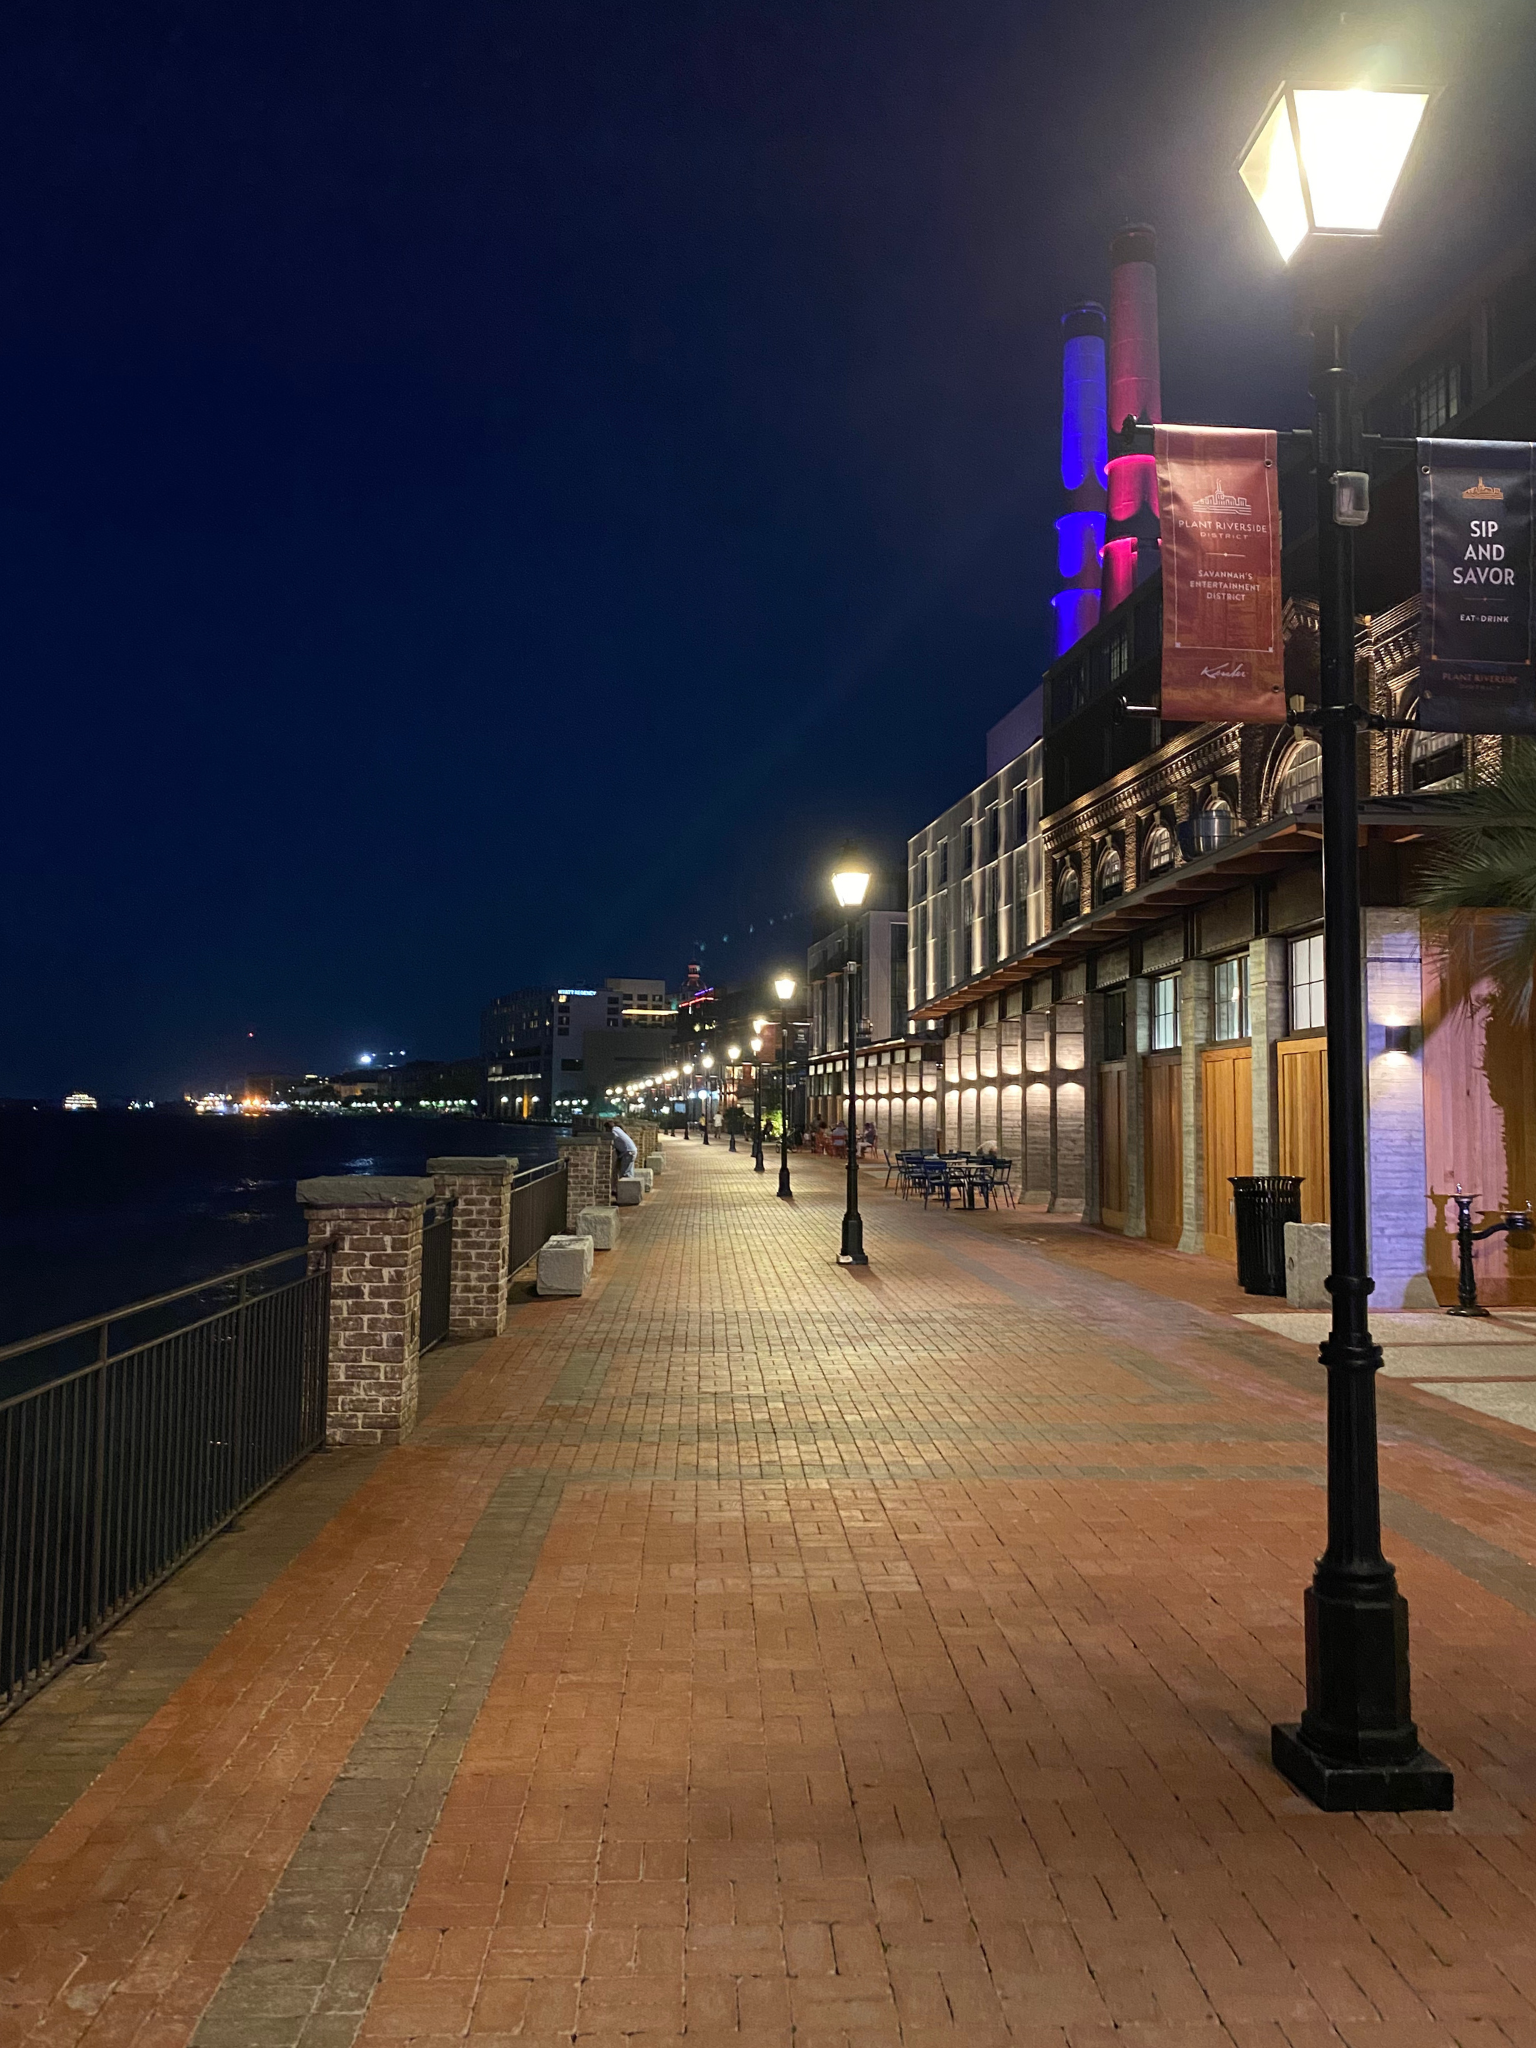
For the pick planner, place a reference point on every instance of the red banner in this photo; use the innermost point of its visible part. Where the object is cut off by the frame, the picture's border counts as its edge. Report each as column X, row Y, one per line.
column 1223, row 652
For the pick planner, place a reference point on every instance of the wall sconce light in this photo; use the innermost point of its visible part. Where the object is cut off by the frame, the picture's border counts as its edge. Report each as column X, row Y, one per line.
column 1397, row 1038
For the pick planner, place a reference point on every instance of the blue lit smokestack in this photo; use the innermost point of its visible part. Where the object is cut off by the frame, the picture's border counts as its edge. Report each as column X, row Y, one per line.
column 1084, row 453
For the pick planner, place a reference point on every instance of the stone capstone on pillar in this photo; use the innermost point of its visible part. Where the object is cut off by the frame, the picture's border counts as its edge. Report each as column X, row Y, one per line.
column 374, row 1223
column 481, row 1190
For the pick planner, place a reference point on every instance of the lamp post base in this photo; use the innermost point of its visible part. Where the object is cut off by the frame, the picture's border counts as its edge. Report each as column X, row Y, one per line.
column 852, row 1253
column 1420, row 1785
column 785, row 1192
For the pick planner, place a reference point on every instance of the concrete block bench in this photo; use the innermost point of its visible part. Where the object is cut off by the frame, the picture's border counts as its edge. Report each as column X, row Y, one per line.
column 628, row 1192
column 646, row 1177
column 1308, row 1256
column 655, row 1163
column 601, row 1225
column 565, row 1265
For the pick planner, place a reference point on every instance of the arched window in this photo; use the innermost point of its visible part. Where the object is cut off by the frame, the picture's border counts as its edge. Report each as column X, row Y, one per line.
column 1111, row 876
column 1215, row 825
column 1159, row 852
column 1301, row 780
column 1069, row 893
column 1437, row 760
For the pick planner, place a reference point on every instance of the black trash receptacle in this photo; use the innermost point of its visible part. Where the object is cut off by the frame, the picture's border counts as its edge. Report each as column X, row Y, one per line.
column 1262, row 1205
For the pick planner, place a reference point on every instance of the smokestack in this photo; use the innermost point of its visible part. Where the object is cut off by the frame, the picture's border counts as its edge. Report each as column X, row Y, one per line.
column 1084, row 447
column 1135, row 391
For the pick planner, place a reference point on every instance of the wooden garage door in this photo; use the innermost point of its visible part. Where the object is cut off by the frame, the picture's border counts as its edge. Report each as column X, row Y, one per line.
column 1226, row 1075
column 1163, row 1110
column 1302, row 1101
column 1112, row 1147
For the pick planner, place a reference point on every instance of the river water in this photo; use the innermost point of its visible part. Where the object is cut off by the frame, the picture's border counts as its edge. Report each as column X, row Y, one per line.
column 99, row 1208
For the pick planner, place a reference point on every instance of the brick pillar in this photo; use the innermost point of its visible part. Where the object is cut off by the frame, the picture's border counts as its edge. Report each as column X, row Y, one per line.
column 481, row 1189
column 375, row 1335
column 588, row 1157
column 1194, row 1033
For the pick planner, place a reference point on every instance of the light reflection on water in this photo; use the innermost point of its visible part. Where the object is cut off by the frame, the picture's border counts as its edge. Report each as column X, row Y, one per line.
column 98, row 1210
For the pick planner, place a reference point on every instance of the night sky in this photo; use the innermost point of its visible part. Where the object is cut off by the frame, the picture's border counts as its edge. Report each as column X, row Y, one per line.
column 493, row 492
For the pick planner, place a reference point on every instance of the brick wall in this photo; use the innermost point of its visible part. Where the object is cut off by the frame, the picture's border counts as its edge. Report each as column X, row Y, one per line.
column 375, row 1223
column 481, row 1190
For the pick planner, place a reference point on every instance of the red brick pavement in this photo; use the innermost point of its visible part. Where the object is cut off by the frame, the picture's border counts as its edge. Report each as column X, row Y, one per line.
column 897, row 1668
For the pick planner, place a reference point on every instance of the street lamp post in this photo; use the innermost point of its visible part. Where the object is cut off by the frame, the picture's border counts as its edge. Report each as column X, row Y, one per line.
column 850, row 883
column 733, row 1055
column 757, row 1098
column 1322, row 167
column 687, row 1083
column 784, row 988
column 708, row 1064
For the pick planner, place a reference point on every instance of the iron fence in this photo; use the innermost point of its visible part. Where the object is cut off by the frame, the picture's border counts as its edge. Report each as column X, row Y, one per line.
column 538, row 1211
column 114, row 1471
column 436, row 1269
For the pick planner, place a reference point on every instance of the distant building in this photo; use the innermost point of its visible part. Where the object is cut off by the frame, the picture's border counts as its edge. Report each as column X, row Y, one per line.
column 553, row 1053
column 80, row 1100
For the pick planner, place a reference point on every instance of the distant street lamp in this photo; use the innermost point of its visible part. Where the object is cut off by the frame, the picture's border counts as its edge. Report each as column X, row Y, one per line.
column 784, row 988
column 757, row 1103
column 1322, row 167
column 687, row 1077
column 707, row 1063
column 850, row 884
column 733, row 1054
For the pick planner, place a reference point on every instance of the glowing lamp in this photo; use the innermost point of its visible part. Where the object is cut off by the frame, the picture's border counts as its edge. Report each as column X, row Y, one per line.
column 708, row 1061
column 1327, row 162
column 733, row 1052
column 784, row 987
column 756, row 1044
column 850, row 880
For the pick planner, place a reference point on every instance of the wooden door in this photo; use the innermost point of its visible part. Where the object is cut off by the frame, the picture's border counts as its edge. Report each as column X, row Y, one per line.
column 1112, row 1147
column 1226, row 1077
column 1302, row 1101
column 1163, row 1129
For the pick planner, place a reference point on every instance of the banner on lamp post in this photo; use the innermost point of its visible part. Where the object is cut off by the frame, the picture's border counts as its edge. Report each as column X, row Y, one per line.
column 1223, row 648
column 1475, row 666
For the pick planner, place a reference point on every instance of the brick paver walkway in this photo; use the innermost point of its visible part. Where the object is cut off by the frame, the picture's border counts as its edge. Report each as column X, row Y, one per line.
column 760, row 1652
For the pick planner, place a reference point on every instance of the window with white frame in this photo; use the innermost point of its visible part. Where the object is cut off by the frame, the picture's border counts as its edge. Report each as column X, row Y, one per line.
column 1309, row 1010
column 1229, row 997
column 1165, row 1013
column 1160, row 851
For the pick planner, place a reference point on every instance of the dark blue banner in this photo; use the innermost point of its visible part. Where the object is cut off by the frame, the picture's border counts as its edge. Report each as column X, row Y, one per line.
column 1475, row 631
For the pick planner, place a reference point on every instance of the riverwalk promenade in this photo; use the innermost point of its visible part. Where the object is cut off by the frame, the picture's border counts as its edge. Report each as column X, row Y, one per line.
column 755, row 1651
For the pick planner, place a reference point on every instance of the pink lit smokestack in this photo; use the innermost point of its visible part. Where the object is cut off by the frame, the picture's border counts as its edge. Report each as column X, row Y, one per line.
column 1135, row 391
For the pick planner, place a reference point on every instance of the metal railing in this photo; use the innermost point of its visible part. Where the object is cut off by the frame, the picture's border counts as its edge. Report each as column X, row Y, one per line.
column 436, row 1272
column 538, row 1211
column 116, row 1470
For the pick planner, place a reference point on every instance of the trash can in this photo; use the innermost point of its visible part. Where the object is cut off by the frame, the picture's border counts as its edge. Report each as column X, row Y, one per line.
column 1262, row 1205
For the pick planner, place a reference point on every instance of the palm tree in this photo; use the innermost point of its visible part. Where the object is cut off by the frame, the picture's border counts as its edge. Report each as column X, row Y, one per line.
column 1491, row 865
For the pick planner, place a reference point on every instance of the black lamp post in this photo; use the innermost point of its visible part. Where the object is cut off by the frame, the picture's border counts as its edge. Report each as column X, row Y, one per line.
column 707, row 1065
column 733, row 1055
column 850, row 884
column 784, row 988
column 1321, row 168
column 757, row 1096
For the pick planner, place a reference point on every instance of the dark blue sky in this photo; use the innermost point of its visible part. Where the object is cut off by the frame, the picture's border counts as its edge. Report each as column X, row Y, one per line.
column 491, row 492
